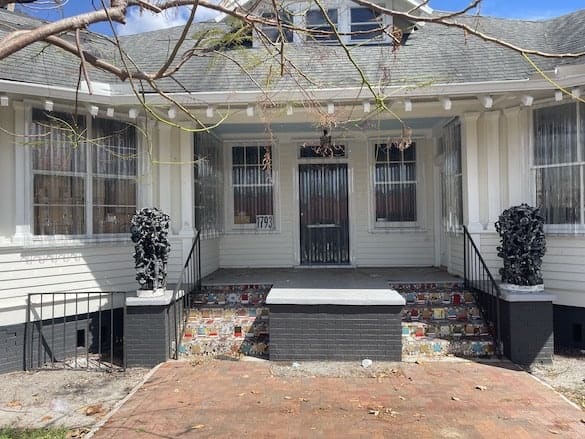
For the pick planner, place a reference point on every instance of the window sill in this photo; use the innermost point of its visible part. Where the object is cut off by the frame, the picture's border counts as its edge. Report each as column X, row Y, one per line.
column 398, row 229
column 40, row 242
column 250, row 231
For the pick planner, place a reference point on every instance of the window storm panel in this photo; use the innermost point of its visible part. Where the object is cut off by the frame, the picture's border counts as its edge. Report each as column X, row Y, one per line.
column 365, row 24
column 559, row 163
column 252, row 183
column 114, row 176
column 453, row 175
column 59, row 169
column 273, row 33
column 316, row 21
column 395, row 183
column 209, row 186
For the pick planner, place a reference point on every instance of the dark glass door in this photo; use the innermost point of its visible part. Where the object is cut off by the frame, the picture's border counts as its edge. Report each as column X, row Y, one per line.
column 324, row 214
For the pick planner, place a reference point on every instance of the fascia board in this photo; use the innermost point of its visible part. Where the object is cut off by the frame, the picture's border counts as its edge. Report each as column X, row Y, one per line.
column 105, row 97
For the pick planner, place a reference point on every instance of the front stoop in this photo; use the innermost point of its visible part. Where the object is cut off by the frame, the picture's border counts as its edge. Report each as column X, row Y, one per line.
column 442, row 319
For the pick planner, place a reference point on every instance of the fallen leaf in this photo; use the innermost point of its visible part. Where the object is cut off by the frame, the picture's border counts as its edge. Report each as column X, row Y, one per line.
column 454, row 398
column 46, row 418
column 176, row 390
column 14, row 403
column 374, row 412
column 198, row 427
column 93, row 409
column 242, row 394
column 481, row 387
column 254, row 392
column 287, row 397
column 583, row 420
column 402, row 398
column 553, row 432
column 303, row 400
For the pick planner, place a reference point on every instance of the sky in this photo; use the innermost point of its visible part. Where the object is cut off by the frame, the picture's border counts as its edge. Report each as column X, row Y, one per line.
column 145, row 21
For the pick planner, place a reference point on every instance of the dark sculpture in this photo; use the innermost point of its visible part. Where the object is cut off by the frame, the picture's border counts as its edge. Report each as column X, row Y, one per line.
column 150, row 230
column 523, row 245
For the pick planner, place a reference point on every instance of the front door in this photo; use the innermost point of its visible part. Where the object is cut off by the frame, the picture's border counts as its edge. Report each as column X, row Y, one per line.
column 324, row 214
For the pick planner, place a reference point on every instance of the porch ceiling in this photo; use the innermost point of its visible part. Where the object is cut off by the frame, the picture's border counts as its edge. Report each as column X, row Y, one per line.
column 327, row 278
column 297, row 127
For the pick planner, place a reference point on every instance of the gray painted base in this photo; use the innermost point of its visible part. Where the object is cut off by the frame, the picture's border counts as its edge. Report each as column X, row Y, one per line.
column 569, row 324
column 150, row 338
column 527, row 332
column 57, row 340
column 335, row 332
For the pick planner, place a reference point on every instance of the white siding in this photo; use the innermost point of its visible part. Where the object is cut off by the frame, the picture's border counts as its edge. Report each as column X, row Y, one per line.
column 564, row 269
column 209, row 256
column 90, row 268
column 456, row 254
column 489, row 252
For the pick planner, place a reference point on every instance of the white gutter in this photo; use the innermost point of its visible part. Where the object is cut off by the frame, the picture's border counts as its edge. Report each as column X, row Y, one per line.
column 104, row 95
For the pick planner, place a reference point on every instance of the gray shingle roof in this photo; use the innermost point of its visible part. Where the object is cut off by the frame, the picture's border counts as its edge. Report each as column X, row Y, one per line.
column 433, row 53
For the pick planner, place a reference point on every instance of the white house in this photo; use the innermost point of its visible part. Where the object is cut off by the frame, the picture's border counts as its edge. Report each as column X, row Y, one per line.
column 471, row 129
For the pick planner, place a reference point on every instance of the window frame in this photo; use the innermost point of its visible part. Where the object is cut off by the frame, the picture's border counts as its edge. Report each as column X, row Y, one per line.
column 87, row 175
column 231, row 227
column 394, row 225
column 567, row 228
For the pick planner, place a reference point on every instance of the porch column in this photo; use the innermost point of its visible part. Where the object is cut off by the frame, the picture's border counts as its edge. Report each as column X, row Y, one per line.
column 492, row 143
column 145, row 187
column 186, row 154
column 22, row 175
column 518, row 171
column 164, row 167
column 469, row 159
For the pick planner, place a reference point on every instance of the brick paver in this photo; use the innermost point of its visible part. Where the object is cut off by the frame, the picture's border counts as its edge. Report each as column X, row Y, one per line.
column 224, row 399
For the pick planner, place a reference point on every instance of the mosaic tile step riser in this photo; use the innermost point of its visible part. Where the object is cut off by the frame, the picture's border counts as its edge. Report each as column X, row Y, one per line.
column 234, row 320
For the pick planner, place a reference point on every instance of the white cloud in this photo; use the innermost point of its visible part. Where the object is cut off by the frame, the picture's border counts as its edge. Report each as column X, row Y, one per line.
column 138, row 21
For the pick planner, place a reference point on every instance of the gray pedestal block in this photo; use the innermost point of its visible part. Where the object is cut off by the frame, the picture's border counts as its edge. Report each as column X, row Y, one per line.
column 527, row 327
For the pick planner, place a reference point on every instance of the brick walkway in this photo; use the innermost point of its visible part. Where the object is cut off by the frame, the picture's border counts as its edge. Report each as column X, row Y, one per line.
column 224, row 399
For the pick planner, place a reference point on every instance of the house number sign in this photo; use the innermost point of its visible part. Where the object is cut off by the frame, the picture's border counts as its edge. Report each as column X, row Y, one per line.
column 264, row 222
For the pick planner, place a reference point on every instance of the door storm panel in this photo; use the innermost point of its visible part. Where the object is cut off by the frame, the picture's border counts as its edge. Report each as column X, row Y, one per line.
column 324, row 225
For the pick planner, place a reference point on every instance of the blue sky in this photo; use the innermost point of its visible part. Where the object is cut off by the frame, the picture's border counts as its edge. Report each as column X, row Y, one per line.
column 137, row 22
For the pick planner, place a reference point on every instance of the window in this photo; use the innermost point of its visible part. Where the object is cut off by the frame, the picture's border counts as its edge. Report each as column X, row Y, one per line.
column 208, row 182
column 316, row 21
column 395, row 184
column 365, row 24
column 252, row 183
column 453, row 177
column 559, row 163
column 273, row 33
column 64, row 163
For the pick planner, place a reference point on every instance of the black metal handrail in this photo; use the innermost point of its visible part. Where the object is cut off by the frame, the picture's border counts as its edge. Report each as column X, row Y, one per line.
column 477, row 277
column 189, row 282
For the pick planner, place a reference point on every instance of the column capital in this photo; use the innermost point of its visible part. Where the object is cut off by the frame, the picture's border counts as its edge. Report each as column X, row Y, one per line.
column 492, row 115
column 512, row 112
column 471, row 116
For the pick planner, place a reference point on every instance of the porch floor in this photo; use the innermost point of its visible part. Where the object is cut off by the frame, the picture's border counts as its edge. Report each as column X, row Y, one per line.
column 325, row 277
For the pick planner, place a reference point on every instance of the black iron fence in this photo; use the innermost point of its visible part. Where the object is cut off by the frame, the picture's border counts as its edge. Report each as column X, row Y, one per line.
column 75, row 330
column 480, row 281
column 189, row 284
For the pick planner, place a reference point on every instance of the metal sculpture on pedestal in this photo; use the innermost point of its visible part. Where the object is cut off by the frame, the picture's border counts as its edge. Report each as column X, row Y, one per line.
column 150, row 230
column 523, row 245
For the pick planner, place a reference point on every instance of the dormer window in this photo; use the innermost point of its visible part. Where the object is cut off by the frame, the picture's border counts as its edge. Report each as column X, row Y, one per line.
column 273, row 33
column 316, row 21
column 366, row 24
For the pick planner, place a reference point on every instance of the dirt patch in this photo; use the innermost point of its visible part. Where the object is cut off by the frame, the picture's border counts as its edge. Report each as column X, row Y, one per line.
column 66, row 398
column 566, row 375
